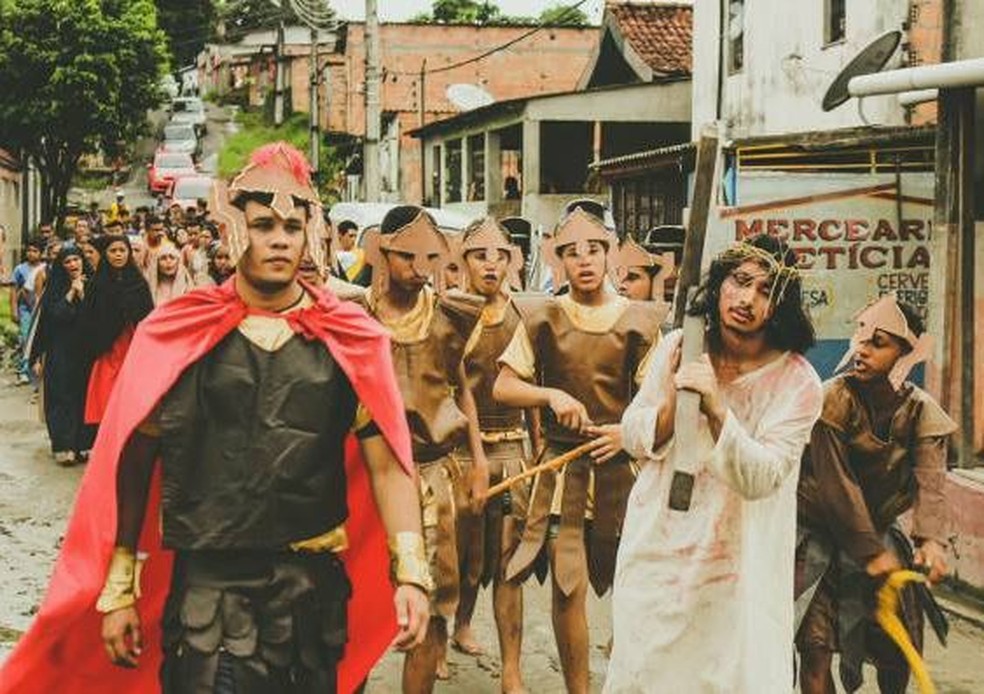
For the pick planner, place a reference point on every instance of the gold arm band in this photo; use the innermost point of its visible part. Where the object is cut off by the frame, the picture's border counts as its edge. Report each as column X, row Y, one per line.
column 500, row 436
column 408, row 561
column 122, row 587
column 335, row 540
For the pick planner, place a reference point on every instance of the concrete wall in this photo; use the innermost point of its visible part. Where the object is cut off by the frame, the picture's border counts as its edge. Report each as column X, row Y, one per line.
column 642, row 103
column 787, row 66
column 11, row 196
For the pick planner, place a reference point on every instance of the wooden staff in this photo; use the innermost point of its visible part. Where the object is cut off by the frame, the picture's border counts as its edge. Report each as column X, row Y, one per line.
column 558, row 462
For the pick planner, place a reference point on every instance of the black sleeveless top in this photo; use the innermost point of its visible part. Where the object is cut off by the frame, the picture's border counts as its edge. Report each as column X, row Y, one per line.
column 253, row 447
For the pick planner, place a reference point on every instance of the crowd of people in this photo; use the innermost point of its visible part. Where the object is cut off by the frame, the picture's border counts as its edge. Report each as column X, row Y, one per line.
column 419, row 369
column 78, row 296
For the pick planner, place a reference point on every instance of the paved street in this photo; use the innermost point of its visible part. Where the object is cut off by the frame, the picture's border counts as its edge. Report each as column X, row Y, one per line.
column 36, row 497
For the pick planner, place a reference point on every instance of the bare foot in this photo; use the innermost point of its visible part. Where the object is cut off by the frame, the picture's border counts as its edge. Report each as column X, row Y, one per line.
column 464, row 641
column 443, row 672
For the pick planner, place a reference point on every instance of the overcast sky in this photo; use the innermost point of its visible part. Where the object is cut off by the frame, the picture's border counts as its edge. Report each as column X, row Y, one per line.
column 397, row 10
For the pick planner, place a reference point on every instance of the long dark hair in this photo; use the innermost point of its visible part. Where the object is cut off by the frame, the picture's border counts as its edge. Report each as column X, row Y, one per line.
column 116, row 298
column 789, row 327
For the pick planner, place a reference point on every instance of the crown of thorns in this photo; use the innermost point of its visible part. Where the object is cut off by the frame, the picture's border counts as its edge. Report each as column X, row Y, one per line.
column 781, row 273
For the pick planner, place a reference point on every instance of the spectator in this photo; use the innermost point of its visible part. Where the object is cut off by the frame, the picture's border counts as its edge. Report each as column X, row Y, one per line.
column 57, row 354
column 117, row 300
column 168, row 277
column 351, row 258
column 220, row 267
column 195, row 254
column 24, row 300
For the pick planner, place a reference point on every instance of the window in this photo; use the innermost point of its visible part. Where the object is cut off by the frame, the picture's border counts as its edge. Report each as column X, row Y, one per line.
column 476, row 167
column 834, row 20
column 435, row 191
column 736, row 35
column 452, row 171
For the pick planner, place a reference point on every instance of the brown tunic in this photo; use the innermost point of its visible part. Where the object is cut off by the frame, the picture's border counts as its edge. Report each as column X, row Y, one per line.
column 487, row 541
column 481, row 370
column 869, row 461
column 597, row 368
column 873, row 455
column 426, row 371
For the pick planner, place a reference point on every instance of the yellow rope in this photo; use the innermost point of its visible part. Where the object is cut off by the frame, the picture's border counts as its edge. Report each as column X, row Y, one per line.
column 887, row 616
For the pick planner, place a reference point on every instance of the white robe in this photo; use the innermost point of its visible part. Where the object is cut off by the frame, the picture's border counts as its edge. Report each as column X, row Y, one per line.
column 703, row 600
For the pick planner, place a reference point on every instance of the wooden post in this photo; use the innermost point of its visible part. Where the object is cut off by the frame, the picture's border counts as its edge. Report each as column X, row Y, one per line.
column 954, row 222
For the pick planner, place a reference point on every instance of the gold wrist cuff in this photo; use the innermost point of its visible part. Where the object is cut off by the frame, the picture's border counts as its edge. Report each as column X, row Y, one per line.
column 122, row 587
column 408, row 561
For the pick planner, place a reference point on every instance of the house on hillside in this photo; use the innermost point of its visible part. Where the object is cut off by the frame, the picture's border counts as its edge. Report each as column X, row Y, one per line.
column 548, row 61
column 633, row 92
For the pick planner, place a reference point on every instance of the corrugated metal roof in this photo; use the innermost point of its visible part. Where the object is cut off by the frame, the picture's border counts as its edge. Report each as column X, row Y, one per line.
column 670, row 152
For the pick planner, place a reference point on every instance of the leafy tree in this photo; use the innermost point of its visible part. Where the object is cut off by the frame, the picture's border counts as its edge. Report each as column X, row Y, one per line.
column 563, row 15
column 188, row 25
column 462, row 12
column 76, row 77
column 482, row 12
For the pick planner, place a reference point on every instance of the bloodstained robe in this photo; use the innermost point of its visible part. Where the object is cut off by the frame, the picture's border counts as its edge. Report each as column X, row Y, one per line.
column 63, row 651
column 703, row 599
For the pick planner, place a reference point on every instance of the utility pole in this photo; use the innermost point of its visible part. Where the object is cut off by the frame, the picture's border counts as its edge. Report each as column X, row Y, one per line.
column 370, row 152
column 421, row 122
column 278, row 93
column 315, row 127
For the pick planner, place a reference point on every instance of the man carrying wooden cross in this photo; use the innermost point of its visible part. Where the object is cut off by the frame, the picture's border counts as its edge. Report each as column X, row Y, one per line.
column 703, row 597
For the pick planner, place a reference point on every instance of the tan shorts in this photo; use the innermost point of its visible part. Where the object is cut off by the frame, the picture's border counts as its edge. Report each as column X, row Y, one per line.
column 488, row 540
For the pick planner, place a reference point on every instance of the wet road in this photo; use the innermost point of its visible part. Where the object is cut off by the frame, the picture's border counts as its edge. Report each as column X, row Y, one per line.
column 36, row 497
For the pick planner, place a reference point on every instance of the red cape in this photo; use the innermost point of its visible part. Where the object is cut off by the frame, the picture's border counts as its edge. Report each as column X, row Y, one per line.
column 63, row 651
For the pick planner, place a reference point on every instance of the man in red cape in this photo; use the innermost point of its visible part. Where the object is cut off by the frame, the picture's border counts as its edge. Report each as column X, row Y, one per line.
column 263, row 302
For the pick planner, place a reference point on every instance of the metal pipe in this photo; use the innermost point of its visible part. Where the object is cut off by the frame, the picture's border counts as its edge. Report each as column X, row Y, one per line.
column 962, row 73
column 920, row 96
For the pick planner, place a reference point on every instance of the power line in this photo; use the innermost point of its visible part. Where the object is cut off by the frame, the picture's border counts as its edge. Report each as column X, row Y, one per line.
column 512, row 42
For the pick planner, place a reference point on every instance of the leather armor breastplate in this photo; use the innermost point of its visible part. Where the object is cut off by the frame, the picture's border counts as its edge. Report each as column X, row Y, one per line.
column 253, row 447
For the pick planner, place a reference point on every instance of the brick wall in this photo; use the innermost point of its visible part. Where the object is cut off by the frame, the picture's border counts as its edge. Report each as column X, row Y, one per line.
column 551, row 60
column 924, row 46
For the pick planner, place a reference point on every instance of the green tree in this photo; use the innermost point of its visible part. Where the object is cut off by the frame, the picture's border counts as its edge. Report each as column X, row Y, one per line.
column 462, row 12
column 76, row 76
column 563, row 16
column 188, row 25
column 239, row 17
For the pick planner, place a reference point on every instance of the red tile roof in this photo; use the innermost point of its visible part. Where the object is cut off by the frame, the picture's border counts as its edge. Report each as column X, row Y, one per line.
column 661, row 33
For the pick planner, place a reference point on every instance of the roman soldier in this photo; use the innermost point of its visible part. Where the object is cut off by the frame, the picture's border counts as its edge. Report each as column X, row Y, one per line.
column 228, row 536
column 430, row 329
column 641, row 275
column 577, row 356
column 491, row 266
column 878, row 451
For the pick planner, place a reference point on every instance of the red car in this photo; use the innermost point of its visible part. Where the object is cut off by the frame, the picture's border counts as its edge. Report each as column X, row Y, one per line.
column 166, row 167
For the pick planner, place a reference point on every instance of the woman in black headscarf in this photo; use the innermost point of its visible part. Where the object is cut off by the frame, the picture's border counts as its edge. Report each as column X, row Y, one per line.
column 58, row 349
column 117, row 301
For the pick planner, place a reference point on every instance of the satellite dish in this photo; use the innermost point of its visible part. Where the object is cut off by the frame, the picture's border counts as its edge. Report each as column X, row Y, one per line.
column 468, row 96
column 872, row 58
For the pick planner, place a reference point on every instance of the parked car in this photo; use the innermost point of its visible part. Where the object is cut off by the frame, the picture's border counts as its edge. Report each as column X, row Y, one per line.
column 169, row 86
column 165, row 168
column 186, row 190
column 181, row 137
column 189, row 109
